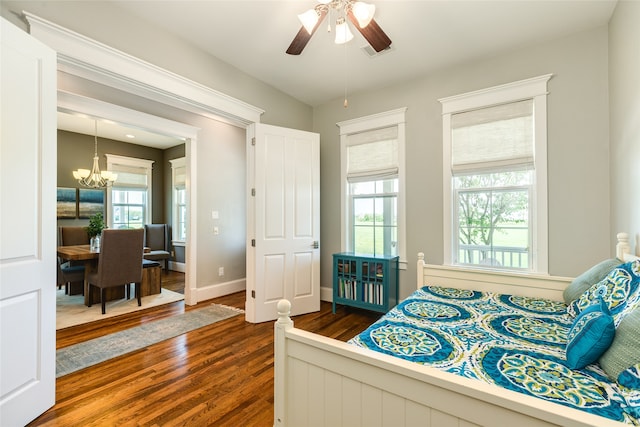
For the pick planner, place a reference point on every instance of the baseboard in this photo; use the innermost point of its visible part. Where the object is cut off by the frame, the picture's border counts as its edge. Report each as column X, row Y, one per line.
column 326, row 294
column 178, row 266
column 220, row 289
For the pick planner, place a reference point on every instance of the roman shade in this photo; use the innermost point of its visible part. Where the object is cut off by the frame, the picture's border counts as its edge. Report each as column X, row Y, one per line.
column 130, row 176
column 492, row 137
column 180, row 177
column 372, row 154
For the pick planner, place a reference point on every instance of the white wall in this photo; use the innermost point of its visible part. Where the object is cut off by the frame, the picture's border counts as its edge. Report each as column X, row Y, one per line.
column 221, row 187
column 578, row 149
column 624, row 84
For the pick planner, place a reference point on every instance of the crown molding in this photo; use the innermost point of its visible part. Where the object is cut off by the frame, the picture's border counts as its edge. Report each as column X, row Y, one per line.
column 83, row 57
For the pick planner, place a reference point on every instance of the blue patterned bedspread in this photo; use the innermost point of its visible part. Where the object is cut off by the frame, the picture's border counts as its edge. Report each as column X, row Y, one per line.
column 515, row 342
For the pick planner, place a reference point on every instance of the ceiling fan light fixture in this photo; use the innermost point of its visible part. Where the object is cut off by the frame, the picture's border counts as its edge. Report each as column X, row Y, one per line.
column 363, row 12
column 360, row 14
column 309, row 20
column 343, row 33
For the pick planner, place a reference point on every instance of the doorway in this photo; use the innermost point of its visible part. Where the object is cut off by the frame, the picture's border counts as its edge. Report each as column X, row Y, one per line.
column 76, row 113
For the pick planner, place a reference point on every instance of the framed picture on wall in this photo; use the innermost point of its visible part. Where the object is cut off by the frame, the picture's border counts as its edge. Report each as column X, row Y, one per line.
column 90, row 202
column 66, row 206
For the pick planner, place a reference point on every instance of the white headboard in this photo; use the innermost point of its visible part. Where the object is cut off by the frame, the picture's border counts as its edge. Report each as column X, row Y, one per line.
column 505, row 282
column 623, row 248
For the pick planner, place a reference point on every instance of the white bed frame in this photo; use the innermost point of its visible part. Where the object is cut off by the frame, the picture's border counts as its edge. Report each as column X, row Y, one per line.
column 324, row 382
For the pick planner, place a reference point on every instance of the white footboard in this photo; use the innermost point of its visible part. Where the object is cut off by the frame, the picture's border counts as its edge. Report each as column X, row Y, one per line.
column 324, row 382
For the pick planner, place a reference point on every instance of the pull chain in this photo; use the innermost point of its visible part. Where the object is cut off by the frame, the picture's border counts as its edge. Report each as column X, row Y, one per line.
column 346, row 77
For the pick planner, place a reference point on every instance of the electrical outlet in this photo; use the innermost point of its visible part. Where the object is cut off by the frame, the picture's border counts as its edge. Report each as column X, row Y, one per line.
column 173, row 254
column 216, row 231
column 221, row 271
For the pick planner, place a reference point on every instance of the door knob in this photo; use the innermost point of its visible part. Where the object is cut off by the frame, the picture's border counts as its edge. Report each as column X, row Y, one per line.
column 315, row 244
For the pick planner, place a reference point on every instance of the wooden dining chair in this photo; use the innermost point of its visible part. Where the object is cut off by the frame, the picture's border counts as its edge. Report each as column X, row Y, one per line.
column 70, row 236
column 74, row 236
column 68, row 274
column 120, row 263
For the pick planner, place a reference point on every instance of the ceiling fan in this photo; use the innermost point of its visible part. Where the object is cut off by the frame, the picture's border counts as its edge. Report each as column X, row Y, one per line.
column 359, row 13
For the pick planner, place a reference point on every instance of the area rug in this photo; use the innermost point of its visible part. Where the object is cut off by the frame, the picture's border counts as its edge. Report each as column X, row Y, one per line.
column 79, row 356
column 71, row 311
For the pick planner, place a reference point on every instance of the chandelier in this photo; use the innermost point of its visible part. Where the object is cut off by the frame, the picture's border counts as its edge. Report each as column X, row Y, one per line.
column 94, row 178
column 363, row 13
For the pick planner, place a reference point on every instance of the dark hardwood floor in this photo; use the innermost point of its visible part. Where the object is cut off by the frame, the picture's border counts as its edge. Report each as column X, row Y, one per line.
column 219, row 375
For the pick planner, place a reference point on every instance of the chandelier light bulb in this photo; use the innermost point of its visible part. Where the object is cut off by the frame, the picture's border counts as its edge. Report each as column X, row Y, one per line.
column 81, row 173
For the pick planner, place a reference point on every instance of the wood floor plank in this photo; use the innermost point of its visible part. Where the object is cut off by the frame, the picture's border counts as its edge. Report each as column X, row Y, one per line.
column 218, row 375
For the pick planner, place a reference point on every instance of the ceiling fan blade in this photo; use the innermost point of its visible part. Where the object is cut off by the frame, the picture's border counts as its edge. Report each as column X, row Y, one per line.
column 302, row 38
column 376, row 37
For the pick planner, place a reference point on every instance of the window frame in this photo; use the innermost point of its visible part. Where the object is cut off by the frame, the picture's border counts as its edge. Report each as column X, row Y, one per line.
column 535, row 89
column 113, row 161
column 363, row 124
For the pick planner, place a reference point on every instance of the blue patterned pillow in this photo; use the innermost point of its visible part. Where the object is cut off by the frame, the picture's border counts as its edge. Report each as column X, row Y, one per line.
column 591, row 335
column 620, row 291
column 629, row 379
column 584, row 281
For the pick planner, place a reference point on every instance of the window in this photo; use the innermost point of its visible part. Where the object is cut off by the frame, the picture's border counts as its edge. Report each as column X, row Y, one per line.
column 372, row 151
column 492, row 216
column 374, row 209
column 129, row 208
column 129, row 201
column 495, row 177
column 179, row 181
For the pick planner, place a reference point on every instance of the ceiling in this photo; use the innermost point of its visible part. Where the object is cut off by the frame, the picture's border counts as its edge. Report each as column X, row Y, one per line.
column 80, row 123
column 427, row 35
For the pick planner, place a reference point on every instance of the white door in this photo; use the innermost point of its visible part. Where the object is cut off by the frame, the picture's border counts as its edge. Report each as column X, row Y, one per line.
column 283, row 229
column 27, row 226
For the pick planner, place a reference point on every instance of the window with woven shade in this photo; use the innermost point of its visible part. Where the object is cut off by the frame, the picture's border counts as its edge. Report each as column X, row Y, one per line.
column 372, row 150
column 495, row 177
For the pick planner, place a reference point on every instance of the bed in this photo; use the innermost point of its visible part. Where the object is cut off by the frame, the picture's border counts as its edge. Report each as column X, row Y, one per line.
column 321, row 381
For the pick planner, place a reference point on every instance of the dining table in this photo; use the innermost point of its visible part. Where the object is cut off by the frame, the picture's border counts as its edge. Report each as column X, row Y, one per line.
column 90, row 257
column 78, row 253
